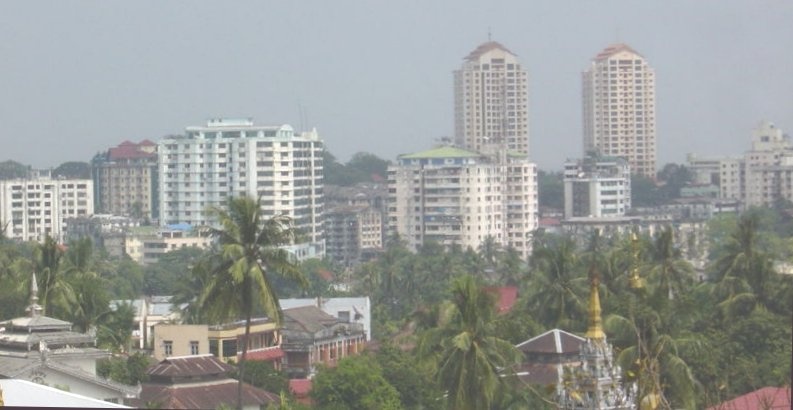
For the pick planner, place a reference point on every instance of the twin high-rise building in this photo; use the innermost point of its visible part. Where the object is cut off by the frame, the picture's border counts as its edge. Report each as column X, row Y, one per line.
column 491, row 101
column 619, row 108
column 230, row 158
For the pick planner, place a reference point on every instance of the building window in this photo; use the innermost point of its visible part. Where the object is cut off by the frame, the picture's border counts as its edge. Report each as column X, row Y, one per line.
column 194, row 347
column 168, row 347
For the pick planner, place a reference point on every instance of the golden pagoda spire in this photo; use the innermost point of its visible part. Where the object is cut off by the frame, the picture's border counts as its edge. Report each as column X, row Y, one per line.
column 635, row 281
column 595, row 331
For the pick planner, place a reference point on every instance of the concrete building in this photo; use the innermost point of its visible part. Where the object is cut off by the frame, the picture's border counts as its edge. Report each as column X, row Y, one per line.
column 619, row 108
column 458, row 197
column 34, row 208
column 264, row 344
column 769, row 166
column 231, row 157
column 491, row 101
column 147, row 244
column 149, row 312
column 125, row 180
column 106, row 231
column 354, row 234
column 312, row 337
column 179, row 340
column 348, row 310
column 597, row 187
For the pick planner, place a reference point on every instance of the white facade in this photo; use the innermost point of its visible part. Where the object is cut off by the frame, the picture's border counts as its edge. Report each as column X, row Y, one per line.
column 597, row 188
column 349, row 310
column 458, row 197
column 229, row 158
column 619, row 108
column 491, row 100
column 769, row 166
column 38, row 207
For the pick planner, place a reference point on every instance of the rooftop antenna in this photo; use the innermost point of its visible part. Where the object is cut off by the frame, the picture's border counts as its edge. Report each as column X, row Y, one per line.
column 489, row 34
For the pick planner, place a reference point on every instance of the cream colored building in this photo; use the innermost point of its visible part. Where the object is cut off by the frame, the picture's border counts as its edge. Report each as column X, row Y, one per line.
column 180, row 340
column 769, row 166
column 491, row 101
column 458, row 197
column 32, row 209
column 147, row 245
column 619, row 108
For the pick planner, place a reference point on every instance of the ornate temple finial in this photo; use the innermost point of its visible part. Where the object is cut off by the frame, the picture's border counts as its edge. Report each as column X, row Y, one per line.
column 595, row 331
column 34, row 308
column 635, row 280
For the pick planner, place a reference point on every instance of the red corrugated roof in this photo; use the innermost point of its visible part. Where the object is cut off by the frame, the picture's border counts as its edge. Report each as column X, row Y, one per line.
column 130, row 150
column 265, row 355
column 767, row 398
column 209, row 395
column 506, row 295
column 300, row 387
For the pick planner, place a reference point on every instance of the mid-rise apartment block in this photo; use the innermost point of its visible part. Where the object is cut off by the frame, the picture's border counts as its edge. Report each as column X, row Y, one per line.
column 354, row 234
column 458, row 197
column 769, row 166
column 619, row 108
column 125, row 180
column 32, row 209
column 596, row 187
column 233, row 157
column 762, row 176
column 491, row 101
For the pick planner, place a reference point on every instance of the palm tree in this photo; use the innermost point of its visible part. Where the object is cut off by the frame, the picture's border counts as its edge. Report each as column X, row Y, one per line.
column 53, row 286
column 471, row 362
column 247, row 254
column 744, row 260
column 556, row 287
column 667, row 269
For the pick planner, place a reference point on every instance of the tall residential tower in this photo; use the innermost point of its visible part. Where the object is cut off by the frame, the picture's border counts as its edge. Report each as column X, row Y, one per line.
column 491, row 101
column 619, row 108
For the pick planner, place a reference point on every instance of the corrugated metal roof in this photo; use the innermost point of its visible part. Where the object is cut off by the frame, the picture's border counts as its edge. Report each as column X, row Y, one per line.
column 553, row 341
column 442, row 152
column 189, row 366
column 206, row 395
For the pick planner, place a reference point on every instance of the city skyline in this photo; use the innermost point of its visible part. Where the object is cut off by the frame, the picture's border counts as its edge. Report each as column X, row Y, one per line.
column 375, row 78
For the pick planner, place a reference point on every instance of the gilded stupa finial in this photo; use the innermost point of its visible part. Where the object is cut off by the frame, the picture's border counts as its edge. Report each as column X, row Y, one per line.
column 595, row 331
column 635, row 280
column 34, row 308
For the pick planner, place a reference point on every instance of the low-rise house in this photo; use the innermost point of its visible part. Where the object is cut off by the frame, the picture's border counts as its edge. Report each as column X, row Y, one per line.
column 348, row 310
column 312, row 337
column 179, row 340
column 46, row 350
column 197, row 382
column 225, row 341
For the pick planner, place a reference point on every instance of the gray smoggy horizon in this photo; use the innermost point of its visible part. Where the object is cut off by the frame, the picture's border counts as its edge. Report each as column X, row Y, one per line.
column 80, row 77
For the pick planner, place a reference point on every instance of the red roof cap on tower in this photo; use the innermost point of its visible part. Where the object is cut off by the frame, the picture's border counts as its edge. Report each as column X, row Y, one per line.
column 614, row 49
column 484, row 48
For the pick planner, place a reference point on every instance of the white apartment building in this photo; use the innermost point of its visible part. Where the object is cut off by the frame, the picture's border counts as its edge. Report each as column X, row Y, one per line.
column 769, row 166
column 458, row 197
column 491, row 101
column 597, row 188
column 233, row 157
column 619, row 108
column 32, row 209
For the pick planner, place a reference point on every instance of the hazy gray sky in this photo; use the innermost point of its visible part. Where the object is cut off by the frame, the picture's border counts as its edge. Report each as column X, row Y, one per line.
column 78, row 77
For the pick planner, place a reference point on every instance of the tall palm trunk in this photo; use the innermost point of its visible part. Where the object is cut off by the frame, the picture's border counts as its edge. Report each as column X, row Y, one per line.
column 243, row 358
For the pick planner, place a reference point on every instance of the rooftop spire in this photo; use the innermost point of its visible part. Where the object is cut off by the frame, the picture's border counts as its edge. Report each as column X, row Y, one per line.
column 595, row 331
column 34, row 308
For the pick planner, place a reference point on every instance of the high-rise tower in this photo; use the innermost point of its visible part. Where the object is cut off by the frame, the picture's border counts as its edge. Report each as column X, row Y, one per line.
column 619, row 108
column 491, row 101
